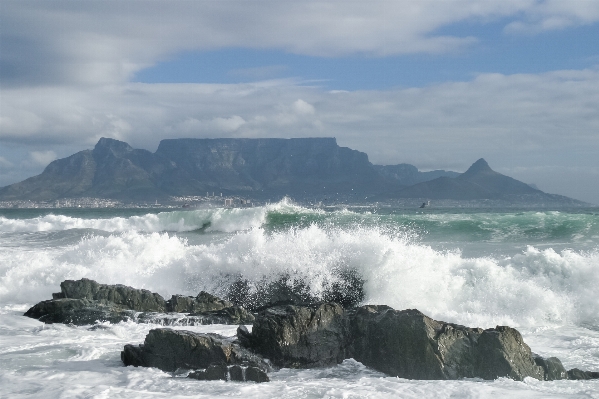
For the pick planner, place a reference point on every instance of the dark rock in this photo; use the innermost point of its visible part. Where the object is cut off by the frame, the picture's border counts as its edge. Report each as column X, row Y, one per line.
column 553, row 368
column 294, row 336
column 256, row 375
column 132, row 355
column 170, row 350
column 86, row 301
column 236, row 373
column 212, row 373
column 203, row 302
column 127, row 297
column 78, row 311
column 230, row 315
column 409, row 344
column 501, row 352
column 244, row 336
column 577, row 374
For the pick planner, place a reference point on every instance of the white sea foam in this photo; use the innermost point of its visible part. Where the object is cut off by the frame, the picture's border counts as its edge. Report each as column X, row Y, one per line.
column 536, row 287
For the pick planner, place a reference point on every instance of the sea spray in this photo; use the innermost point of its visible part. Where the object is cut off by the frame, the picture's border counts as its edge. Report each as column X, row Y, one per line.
column 537, row 287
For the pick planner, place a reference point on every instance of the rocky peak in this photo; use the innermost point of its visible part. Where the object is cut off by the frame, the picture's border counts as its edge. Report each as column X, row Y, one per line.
column 480, row 166
column 107, row 147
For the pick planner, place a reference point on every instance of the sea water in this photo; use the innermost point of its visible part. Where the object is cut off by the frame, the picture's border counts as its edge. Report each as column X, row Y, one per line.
column 535, row 270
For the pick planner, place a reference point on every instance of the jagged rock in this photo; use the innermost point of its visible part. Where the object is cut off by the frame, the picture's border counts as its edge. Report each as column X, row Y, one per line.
column 86, row 301
column 203, row 302
column 409, row 344
column 170, row 350
column 296, row 336
column 405, row 343
column 502, row 353
column 577, row 374
column 127, row 297
column 553, row 368
column 78, row 311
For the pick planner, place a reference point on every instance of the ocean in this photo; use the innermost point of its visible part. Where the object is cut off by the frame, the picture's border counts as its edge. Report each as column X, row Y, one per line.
column 535, row 270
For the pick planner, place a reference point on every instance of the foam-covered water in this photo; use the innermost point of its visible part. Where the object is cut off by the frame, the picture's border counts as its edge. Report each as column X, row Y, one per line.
column 534, row 270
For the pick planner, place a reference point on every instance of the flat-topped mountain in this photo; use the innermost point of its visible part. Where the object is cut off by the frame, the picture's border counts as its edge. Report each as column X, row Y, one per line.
column 180, row 167
column 258, row 168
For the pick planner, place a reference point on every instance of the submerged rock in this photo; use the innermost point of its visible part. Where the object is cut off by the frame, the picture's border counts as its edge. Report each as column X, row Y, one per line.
column 577, row 374
column 230, row 373
column 232, row 315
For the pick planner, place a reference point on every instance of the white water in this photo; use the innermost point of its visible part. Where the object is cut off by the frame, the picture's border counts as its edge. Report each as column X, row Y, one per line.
column 549, row 295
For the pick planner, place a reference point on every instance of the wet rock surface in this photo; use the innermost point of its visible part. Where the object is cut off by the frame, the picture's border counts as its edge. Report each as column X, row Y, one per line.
column 552, row 368
column 300, row 336
column 203, row 302
column 171, row 350
column 78, row 312
column 127, row 297
column 576, row 374
column 85, row 301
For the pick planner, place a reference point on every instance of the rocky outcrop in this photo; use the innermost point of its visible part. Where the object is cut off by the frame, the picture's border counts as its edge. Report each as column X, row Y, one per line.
column 85, row 301
column 406, row 344
column 120, row 295
column 171, row 350
column 300, row 336
column 78, row 312
column 203, row 302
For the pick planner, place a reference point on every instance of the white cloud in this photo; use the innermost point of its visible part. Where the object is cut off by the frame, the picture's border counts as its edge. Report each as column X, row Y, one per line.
column 42, row 158
column 303, row 108
column 229, row 125
column 519, row 120
column 99, row 42
column 5, row 164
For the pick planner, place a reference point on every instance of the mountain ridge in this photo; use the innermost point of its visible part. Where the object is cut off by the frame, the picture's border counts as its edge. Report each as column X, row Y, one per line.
column 257, row 168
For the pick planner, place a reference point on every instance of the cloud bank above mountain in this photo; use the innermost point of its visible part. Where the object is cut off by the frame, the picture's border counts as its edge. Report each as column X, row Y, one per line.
column 67, row 70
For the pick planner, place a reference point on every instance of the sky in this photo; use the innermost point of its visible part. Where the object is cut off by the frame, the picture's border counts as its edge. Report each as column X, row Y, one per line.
column 434, row 83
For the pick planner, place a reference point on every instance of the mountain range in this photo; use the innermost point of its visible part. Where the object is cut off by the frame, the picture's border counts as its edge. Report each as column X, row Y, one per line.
column 259, row 168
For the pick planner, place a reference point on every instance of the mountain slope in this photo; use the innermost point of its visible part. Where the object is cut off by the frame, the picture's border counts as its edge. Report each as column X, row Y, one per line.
column 480, row 182
column 256, row 167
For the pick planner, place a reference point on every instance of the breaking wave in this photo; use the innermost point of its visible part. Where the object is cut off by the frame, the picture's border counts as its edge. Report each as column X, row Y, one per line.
column 534, row 288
